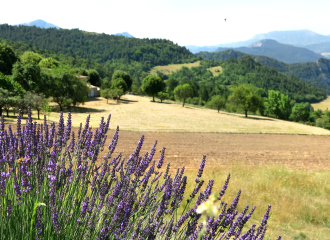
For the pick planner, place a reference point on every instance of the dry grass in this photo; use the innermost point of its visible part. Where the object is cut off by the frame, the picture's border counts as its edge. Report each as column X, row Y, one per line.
column 324, row 105
column 300, row 199
column 136, row 113
column 213, row 70
column 172, row 68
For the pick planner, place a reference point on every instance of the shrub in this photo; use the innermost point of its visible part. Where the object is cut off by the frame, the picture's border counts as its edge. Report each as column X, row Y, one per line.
column 53, row 188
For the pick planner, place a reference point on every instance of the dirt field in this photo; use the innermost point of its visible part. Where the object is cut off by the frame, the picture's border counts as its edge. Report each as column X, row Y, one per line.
column 172, row 67
column 301, row 152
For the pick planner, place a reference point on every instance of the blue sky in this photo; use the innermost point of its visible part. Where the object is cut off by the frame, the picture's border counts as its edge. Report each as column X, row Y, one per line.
column 186, row 22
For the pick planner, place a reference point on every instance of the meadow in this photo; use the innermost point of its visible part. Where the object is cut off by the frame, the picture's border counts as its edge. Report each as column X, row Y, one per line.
column 324, row 105
column 137, row 113
column 287, row 167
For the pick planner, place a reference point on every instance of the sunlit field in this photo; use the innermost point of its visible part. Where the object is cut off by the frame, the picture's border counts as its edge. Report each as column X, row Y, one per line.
column 136, row 113
column 324, row 105
column 215, row 70
column 168, row 69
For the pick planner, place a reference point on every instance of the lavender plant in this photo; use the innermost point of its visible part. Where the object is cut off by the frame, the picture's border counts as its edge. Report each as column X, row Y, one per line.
column 52, row 188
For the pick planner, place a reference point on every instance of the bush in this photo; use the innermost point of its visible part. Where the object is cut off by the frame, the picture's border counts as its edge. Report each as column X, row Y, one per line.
column 53, row 188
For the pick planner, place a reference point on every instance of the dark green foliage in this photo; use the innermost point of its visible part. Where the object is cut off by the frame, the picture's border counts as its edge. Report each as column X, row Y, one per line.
column 7, row 59
column 35, row 101
column 119, row 83
column 7, row 82
column 311, row 72
column 299, row 113
column 152, row 85
column 123, row 75
column 94, row 77
column 99, row 51
column 246, row 98
column 66, row 89
column 29, row 76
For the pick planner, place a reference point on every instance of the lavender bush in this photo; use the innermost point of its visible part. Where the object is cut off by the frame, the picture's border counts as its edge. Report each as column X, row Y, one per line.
column 52, row 188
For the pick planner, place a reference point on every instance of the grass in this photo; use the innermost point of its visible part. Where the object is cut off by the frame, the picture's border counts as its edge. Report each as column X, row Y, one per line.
column 300, row 199
column 172, row 67
column 324, row 105
column 136, row 113
column 214, row 72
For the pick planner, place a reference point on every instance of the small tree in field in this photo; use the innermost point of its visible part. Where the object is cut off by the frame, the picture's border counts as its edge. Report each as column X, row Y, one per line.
column 106, row 93
column 152, row 85
column 182, row 92
column 246, row 98
column 218, row 102
column 162, row 96
column 46, row 108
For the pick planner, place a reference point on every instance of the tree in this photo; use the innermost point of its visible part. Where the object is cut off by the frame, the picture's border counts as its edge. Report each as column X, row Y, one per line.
column 116, row 93
column 299, row 113
column 46, row 108
column 66, row 89
column 106, row 93
column 162, row 96
column 218, row 102
column 49, row 63
column 29, row 77
column 7, row 59
column 119, row 83
column 35, row 101
column 4, row 95
column 94, row 77
column 152, row 85
column 30, row 57
column 182, row 92
column 125, row 76
column 278, row 104
column 246, row 98
column 7, row 82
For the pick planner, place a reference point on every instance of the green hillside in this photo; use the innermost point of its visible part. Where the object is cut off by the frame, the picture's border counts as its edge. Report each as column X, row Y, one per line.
column 137, row 56
column 315, row 73
column 242, row 71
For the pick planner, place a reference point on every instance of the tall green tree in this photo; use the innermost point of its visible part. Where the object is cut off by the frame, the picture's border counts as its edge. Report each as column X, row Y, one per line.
column 182, row 92
column 94, row 77
column 7, row 59
column 29, row 77
column 245, row 97
column 278, row 105
column 119, row 83
column 299, row 113
column 125, row 76
column 152, row 85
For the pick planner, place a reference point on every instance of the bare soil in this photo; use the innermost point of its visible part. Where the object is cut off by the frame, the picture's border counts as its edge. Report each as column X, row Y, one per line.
column 300, row 152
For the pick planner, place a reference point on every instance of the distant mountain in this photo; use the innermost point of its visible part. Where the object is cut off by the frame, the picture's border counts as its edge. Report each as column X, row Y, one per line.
column 294, row 37
column 281, row 52
column 315, row 73
column 319, row 47
column 297, row 38
column 125, row 34
column 39, row 23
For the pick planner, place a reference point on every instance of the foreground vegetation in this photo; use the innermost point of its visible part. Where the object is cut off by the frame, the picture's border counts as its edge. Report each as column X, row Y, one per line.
column 52, row 186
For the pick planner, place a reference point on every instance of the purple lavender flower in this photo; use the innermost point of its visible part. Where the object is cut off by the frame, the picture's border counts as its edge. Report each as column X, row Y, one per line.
column 201, row 167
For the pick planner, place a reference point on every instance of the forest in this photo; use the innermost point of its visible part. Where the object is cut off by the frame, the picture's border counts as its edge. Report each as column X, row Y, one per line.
column 309, row 72
column 105, row 52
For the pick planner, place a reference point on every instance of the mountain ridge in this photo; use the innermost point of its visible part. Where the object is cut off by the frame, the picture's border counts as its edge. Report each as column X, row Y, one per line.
column 39, row 23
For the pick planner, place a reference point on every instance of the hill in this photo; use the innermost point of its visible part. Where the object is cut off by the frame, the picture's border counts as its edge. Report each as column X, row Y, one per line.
column 39, row 23
column 282, row 52
column 315, row 73
column 107, row 52
column 320, row 48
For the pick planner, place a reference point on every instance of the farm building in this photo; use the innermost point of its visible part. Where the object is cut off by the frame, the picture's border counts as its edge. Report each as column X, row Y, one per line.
column 94, row 90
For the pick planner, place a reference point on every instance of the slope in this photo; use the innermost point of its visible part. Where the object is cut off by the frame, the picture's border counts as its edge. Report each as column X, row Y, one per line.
column 315, row 73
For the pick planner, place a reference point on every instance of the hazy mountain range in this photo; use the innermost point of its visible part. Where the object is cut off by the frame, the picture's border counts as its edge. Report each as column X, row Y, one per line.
column 282, row 52
column 125, row 34
column 298, row 38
